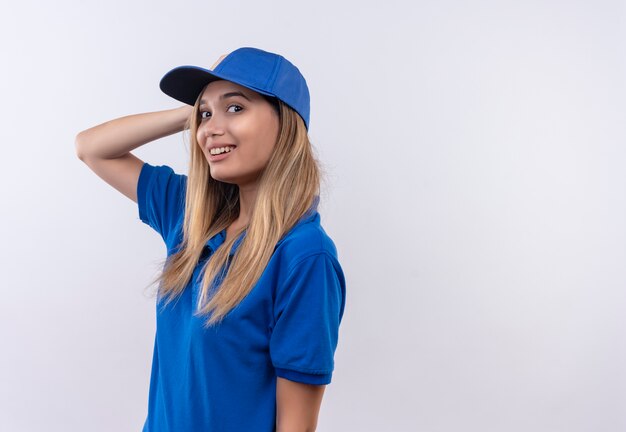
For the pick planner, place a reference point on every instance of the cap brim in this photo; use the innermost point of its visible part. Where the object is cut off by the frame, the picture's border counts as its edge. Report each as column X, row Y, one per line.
column 184, row 83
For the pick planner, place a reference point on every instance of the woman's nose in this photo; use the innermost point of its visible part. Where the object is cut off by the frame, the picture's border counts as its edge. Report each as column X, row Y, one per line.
column 212, row 126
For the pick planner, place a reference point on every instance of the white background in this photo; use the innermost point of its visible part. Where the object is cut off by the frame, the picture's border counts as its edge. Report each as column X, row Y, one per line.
column 475, row 168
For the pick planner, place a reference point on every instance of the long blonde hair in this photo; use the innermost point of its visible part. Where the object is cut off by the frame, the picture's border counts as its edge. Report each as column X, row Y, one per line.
column 288, row 187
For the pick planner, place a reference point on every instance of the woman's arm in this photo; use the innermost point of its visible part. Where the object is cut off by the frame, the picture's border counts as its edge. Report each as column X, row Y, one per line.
column 117, row 137
column 105, row 148
column 297, row 405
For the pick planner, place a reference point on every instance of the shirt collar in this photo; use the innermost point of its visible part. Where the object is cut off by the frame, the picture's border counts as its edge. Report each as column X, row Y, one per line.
column 311, row 215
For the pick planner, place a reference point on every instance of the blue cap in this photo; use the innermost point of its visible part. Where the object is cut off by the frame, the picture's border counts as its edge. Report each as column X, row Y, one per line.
column 264, row 72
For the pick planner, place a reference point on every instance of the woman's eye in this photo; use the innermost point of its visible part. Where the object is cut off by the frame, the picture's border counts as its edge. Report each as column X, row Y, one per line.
column 206, row 114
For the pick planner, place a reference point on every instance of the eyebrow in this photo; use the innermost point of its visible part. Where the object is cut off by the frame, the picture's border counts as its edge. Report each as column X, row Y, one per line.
column 227, row 95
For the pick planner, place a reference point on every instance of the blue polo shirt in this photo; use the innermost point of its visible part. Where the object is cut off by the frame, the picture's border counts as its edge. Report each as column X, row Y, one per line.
column 224, row 378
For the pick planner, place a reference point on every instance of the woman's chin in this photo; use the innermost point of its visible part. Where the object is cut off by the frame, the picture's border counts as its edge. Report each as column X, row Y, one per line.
column 224, row 175
column 222, row 179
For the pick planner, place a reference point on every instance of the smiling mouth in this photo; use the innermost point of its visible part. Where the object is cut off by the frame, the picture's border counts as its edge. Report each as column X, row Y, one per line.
column 221, row 150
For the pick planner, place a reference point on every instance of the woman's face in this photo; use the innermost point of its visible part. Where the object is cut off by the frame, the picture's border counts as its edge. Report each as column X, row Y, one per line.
column 233, row 115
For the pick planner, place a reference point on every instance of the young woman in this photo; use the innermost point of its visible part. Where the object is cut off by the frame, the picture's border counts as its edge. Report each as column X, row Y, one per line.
column 252, row 293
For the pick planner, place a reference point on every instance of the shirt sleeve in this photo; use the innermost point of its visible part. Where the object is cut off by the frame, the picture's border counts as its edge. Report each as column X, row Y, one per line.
column 161, row 198
column 308, row 309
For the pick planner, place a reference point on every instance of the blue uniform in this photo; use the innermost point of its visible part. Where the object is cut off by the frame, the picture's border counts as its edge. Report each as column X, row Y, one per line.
column 224, row 378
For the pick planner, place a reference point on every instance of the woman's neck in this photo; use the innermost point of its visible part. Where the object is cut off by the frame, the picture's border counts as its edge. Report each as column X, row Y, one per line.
column 247, row 196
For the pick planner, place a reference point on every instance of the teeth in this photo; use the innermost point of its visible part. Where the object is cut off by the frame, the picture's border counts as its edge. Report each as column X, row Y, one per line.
column 219, row 150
